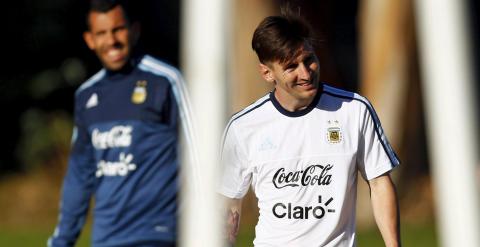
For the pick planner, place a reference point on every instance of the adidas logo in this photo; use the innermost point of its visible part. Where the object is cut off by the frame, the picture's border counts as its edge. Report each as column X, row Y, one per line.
column 92, row 101
column 267, row 144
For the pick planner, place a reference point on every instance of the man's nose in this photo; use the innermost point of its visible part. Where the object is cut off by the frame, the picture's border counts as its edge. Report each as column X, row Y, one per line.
column 304, row 72
column 110, row 38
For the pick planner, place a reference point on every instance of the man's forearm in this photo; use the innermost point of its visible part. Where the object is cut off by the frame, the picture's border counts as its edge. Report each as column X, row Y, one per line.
column 385, row 209
column 233, row 224
column 233, row 208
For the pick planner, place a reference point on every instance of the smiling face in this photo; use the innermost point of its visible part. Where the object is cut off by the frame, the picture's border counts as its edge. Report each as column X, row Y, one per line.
column 297, row 80
column 111, row 37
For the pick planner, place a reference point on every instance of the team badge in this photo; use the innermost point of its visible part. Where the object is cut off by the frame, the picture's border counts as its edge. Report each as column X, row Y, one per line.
column 139, row 94
column 334, row 133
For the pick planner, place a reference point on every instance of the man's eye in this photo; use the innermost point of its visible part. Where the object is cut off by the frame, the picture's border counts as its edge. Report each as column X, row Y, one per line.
column 309, row 60
column 291, row 67
column 100, row 34
column 121, row 28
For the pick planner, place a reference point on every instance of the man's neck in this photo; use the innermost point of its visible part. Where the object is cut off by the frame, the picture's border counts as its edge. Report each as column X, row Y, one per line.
column 291, row 103
column 127, row 67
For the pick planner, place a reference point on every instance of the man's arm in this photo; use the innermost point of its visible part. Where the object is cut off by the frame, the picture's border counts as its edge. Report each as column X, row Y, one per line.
column 77, row 189
column 233, row 208
column 385, row 209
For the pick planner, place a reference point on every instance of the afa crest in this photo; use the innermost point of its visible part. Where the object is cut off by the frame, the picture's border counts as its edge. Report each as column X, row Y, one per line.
column 334, row 133
column 139, row 94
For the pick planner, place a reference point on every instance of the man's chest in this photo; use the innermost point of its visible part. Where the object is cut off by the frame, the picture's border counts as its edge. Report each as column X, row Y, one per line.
column 293, row 156
column 320, row 134
column 135, row 98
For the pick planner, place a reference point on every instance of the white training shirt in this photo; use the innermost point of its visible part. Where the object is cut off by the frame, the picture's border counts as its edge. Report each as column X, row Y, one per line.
column 303, row 165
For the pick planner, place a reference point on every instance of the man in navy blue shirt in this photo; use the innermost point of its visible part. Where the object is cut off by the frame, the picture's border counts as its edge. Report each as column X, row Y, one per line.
column 125, row 142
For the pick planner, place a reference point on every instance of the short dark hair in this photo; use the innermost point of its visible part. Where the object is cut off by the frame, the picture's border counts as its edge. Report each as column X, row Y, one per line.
column 279, row 38
column 103, row 6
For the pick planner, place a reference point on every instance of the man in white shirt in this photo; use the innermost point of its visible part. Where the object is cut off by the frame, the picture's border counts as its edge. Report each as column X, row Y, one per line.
column 301, row 146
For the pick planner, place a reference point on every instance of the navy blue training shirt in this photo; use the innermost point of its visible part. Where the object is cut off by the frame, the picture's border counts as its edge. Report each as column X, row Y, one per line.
column 125, row 156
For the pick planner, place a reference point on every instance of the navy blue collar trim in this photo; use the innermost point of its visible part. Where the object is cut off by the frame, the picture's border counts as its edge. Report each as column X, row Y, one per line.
column 127, row 68
column 298, row 113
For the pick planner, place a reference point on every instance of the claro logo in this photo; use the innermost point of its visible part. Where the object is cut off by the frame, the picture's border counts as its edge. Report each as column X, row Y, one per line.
column 290, row 211
column 312, row 175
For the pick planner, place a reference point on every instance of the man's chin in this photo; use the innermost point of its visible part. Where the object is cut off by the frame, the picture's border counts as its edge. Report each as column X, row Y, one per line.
column 310, row 93
column 114, row 66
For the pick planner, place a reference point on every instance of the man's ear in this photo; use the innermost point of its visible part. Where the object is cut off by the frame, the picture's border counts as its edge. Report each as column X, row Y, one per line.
column 88, row 37
column 266, row 73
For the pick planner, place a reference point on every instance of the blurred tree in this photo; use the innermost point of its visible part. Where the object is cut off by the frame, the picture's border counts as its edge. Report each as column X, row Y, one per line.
column 45, row 139
column 38, row 36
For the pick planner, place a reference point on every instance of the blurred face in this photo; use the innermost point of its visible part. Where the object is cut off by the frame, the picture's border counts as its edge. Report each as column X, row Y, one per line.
column 110, row 37
column 297, row 81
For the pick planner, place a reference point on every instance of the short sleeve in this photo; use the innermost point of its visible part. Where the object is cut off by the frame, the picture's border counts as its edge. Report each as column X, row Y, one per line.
column 375, row 155
column 235, row 178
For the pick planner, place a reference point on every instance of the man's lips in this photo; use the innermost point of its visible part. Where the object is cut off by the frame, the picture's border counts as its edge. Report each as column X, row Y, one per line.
column 114, row 54
column 305, row 84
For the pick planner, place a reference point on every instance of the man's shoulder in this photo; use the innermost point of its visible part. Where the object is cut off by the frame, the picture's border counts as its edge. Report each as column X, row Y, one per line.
column 343, row 96
column 97, row 77
column 341, row 93
column 158, row 67
column 252, row 111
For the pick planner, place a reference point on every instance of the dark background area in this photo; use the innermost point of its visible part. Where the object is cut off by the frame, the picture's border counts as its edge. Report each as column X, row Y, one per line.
column 474, row 30
column 44, row 60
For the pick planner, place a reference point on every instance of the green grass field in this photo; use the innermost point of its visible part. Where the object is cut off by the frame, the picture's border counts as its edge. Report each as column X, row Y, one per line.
column 412, row 236
column 34, row 237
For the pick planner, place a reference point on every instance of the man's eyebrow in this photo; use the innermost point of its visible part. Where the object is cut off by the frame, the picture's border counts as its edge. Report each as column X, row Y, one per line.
column 101, row 31
column 289, row 61
column 287, row 64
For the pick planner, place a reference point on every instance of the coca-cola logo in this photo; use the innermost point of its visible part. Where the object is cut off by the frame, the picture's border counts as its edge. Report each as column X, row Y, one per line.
column 312, row 175
column 117, row 136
